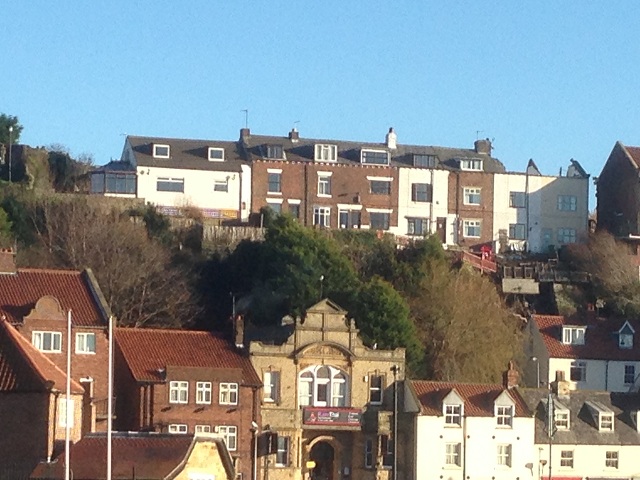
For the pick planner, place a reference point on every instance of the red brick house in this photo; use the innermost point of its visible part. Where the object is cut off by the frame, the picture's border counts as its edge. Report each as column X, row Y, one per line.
column 144, row 456
column 186, row 382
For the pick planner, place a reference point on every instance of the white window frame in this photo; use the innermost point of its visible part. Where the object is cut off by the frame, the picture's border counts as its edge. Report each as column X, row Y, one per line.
column 82, row 346
column 282, row 451
column 566, row 458
column 578, row 366
column 324, row 184
column 203, row 429
column 203, row 393
column 629, row 374
column 470, row 194
column 504, row 416
column 179, row 391
column 376, row 392
column 471, row 164
column 279, row 183
column 605, row 421
column 612, row 459
column 322, row 216
column 468, row 225
column 230, row 435
column 567, row 203
column 221, row 185
column 228, row 393
column 365, row 151
column 573, row 335
column 561, row 419
column 157, row 146
column 170, row 181
column 271, row 389
column 334, row 388
column 452, row 414
column 178, row 428
column 503, row 457
column 452, row 454
column 625, row 340
column 324, row 152
column 38, row 340
column 214, row 150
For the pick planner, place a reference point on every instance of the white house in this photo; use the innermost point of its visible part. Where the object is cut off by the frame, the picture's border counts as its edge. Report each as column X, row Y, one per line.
column 465, row 430
column 538, row 211
column 589, row 352
column 594, row 435
column 170, row 173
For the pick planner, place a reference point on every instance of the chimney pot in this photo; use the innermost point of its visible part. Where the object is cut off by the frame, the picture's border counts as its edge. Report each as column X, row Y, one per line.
column 238, row 331
column 245, row 133
column 391, row 139
column 511, row 376
column 483, row 146
column 8, row 261
column 294, row 136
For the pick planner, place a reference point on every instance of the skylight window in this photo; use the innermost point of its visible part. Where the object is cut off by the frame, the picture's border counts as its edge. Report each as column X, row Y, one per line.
column 374, row 157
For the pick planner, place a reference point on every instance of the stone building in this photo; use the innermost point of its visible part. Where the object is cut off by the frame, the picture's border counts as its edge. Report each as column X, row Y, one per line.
column 329, row 400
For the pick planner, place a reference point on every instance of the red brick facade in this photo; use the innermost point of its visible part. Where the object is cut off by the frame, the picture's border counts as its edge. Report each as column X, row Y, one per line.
column 463, row 192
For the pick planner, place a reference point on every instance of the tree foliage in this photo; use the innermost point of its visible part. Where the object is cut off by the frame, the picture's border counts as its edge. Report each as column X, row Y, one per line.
column 7, row 121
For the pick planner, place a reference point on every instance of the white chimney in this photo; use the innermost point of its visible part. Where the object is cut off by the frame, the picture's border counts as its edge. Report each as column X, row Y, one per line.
column 391, row 139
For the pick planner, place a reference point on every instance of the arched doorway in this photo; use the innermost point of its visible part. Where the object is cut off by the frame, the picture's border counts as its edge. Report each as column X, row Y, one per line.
column 323, row 455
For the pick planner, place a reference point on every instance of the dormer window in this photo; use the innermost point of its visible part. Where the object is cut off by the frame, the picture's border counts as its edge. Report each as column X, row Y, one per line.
column 161, row 151
column 216, row 154
column 374, row 157
column 275, row 152
column 504, row 416
column 473, row 164
column 425, row 161
column 606, row 422
column 325, row 153
column 573, row 335
column 560, row 415
column 625, row 336
column 602, row 416
column 453, row 414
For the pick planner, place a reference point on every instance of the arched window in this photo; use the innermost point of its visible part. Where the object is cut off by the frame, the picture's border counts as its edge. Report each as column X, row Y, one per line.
column 323, row 386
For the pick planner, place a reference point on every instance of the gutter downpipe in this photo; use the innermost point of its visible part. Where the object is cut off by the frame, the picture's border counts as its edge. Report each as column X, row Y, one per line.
column 464, row 447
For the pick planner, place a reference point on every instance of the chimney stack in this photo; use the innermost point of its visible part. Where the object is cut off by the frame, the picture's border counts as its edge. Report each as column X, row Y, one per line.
column 483, row 146
column 294, row 136
column 511, row 376
column 561, row 386
column 238, row 331
column 391, row 139
column 245, row 133
column 8, row 261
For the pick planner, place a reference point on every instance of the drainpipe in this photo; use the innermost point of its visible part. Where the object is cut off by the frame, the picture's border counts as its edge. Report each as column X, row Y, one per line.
column 606, row 375
column 431, row 206
column 464, row 447
column 395, row 370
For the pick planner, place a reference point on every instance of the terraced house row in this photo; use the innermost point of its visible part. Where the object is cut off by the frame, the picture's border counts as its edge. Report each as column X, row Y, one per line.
column 465, row 196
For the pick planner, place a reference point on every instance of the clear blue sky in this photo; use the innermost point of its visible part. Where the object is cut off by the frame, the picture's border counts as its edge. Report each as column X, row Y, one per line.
column 546, row 80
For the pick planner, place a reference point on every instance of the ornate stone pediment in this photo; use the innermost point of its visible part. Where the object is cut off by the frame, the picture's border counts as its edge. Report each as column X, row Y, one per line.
column 47, row 308
column 324, row 351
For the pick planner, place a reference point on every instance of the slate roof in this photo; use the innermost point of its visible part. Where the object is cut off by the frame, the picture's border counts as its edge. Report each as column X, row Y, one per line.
column 582, row 428
column 601, row 341
column 186, row 154
column 349, row 152
column 146, row 351
column 143, row 456
column 478, row 398
column 24, row 369
column 19, row 293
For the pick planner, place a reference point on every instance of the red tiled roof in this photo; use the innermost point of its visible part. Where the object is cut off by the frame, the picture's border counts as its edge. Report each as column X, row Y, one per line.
column 601, row 341
column 133, row 456
column 19, row 293
column 634, row 153
column 24, row 369
column 478, row 398
column 148, row 350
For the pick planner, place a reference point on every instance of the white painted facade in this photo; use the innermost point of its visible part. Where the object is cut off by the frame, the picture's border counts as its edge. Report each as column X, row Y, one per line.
column 426, row 211
column 603, row 375
column 533, row 203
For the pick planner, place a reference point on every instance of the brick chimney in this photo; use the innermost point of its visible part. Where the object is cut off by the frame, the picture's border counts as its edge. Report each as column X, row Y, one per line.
column 483, row 146
column 294, row 136
column 245, row 133
column 561, row 386
column 238, row 331
column 511, row 376
column 391, row 139
column 8, row 261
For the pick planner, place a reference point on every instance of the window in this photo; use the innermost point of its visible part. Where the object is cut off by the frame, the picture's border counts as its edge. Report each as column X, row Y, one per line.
column 376, row 386
column 380, row 187
column 47, row 341
column 578, row 371
column 561, row 419
column 625, row 340
column 379, row 220
column 203, row 428
column 349, row 218
column 271, row 381
column 274, row 151
column 228, row 394
column 324, row 185
column 573, row 335
column 471, row 228
column 386, row 449
column 230, row 435
column 566, row 458
column 611, row 459
column 113, row 183
column 294, row 210
column 321, row 216
column 567, row 203
column 161, row 151
column 566, row 235
column 517, row 199
column 374, row 157
column 65, row 411
column 504, row 455
column 203, row 392
column 471, row 164
column 166, row 184
column 178, row 392
column 274, row 180
column 178, row 428
column 452, row 454
column 368, row 453
column 471, row 196
column 629, row 374
column 504, row 416
column 221, row 186
column 421, row 192
column 323, row 386
column 452, row 414
column 85, row 342
column 428, row 161
column 517, row 231
column 216, row 154
column 606, row 422
column 282, row 452
column 326, row 153
column 275, row 206
column 417, row 226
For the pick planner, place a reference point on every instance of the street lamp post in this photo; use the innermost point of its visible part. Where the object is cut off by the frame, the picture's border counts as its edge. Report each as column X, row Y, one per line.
column 535, row 359
column 10, row 132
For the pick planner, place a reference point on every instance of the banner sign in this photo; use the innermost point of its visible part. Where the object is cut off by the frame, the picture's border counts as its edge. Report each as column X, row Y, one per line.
column 349, row 417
